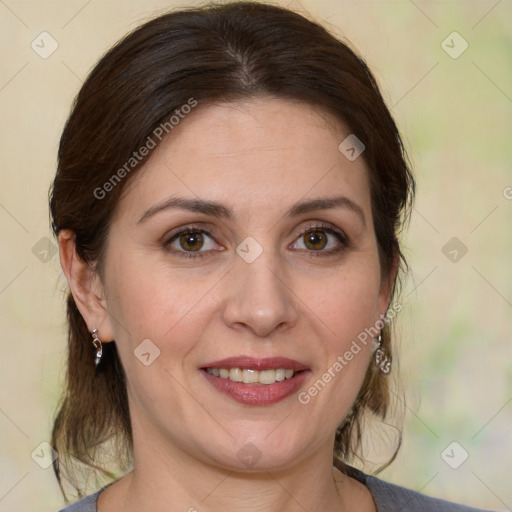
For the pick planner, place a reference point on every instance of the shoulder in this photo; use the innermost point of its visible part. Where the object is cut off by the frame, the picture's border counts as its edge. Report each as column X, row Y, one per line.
column 392, row 498
column 87, row 504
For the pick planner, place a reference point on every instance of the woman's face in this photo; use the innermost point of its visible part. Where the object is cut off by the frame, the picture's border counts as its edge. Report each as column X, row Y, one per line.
column 275, row 257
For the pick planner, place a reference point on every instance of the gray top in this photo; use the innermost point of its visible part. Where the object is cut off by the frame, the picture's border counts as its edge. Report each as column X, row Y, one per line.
column 388, row 497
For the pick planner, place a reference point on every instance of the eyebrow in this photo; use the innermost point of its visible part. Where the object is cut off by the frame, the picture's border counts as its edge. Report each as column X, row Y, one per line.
column 218, row 210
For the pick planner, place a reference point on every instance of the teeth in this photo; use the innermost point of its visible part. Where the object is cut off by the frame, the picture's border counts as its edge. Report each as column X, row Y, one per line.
column 248, row 376
column 267, row 377
column 235, row 374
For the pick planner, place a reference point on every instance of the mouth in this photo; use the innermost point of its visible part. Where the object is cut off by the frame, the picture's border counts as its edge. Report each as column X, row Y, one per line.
column 256, row 381
column 252, row 376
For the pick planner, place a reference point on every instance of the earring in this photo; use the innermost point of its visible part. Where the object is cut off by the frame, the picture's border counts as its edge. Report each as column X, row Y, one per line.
column 382, row 359
column 97, row 345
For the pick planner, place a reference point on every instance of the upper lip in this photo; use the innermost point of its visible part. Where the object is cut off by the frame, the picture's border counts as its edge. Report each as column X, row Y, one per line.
column 267, row 363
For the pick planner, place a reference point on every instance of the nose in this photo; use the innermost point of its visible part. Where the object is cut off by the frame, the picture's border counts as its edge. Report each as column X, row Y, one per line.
column 259, row 299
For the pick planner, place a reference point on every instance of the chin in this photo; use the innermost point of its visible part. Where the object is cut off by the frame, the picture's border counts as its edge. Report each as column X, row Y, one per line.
column 261, row 453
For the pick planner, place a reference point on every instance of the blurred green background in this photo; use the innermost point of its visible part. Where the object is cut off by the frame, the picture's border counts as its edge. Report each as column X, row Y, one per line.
column 454, row 109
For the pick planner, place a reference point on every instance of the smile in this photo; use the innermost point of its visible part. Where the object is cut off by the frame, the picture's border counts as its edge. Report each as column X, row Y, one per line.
column 250, row 376
column 256, row 381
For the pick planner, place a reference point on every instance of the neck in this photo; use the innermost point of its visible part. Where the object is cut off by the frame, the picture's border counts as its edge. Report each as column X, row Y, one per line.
column 168, row 475
column 166, row 480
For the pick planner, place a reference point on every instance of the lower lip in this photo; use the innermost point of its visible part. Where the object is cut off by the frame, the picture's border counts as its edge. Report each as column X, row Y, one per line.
column 263, row 394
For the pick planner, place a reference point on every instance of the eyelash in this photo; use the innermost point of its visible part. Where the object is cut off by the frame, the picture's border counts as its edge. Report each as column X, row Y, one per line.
column 342, row 239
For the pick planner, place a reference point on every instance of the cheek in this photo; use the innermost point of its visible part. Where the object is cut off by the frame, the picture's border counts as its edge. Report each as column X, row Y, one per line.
column 343, row 311
column 169, row 311
column 134, row 302
column 342, row 317
column 346, row 302
column 148, row 301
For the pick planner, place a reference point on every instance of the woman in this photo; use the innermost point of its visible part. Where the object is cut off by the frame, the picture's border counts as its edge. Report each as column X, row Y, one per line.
column 227, row 203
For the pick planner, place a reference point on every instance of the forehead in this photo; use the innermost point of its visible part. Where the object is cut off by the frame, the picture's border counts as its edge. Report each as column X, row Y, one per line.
column 261, row 154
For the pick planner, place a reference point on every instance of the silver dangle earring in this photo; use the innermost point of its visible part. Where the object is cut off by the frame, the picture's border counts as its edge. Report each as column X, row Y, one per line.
column 381, row 357
column 97, row 345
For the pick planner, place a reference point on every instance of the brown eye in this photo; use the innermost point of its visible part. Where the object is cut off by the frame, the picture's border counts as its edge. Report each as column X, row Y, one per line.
column 315, row 240
column 191, row 241
column 321, row 241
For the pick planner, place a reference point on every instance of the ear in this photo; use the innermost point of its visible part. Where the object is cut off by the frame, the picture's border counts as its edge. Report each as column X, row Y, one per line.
column 86, row 287
column 387, row 284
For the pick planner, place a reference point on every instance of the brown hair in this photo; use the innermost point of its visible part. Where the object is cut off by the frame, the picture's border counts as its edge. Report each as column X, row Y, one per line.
column 223, row 52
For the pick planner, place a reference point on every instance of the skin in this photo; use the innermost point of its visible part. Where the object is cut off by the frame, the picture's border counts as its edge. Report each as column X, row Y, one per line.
column 258, row 158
